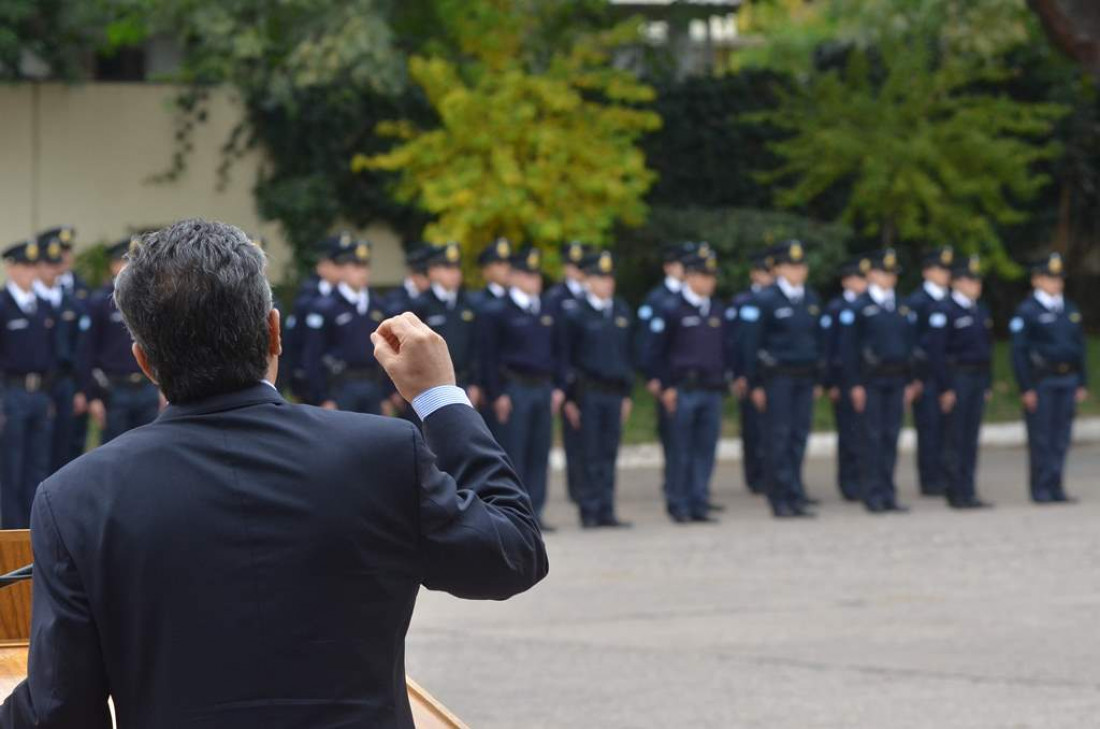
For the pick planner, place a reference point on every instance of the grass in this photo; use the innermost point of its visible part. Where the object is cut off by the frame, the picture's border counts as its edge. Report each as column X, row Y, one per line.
column 1003, row 406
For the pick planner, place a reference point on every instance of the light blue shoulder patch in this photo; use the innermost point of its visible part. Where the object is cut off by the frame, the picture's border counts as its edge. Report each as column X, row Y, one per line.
column 315, row 321
column 85, row 323
column 749, row 313
column 847, row 317
column 645, row 312
column 657, row 325
column 938, row 320
column 731, row 313
column 1016, row 325
column 826, row 322
column 912, row 317
column 291, row 321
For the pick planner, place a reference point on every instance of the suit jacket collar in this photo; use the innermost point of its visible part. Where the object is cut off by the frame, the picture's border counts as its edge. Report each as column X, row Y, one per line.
column 256, row 394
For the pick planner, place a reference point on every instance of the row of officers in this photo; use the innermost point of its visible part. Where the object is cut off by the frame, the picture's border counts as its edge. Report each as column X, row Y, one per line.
column 527, row 356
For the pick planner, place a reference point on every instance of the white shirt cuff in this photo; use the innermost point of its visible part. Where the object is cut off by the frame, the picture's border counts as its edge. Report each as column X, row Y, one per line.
column 431, row 400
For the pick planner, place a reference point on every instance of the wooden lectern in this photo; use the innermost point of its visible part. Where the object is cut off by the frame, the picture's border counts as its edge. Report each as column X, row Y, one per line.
column 15, row 632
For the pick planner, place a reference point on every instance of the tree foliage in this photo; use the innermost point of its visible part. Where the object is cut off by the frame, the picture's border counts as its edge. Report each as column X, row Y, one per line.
column 536, row 155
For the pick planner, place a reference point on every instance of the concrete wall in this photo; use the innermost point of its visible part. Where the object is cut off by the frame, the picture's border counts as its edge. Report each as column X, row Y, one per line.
column 84, row 155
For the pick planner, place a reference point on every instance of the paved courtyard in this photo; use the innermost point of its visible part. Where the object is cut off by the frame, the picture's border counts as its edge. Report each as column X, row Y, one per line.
column 934, row 619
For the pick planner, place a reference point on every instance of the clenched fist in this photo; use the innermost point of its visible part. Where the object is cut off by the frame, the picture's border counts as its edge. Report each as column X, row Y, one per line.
column 414, row 356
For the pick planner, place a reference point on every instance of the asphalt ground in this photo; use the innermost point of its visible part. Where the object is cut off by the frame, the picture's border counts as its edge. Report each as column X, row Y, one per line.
column 936, row 618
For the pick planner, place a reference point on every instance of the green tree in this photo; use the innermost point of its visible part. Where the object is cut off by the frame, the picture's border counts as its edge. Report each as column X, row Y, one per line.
column 537, row 156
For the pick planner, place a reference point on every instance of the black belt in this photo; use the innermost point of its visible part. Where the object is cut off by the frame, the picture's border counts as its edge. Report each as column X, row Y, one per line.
column 30, row 381
column 531, row 379
column 599, row 384
column 1056, row 370
column 970, row 368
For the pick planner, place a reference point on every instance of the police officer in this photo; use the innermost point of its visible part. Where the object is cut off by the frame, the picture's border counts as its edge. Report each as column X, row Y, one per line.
column 927, row 415
column 120, row 397
column 691, row 367
column 447, row 309
column 77, row 289
column 853, row 282
column 321, row 284
column 660, row 297
column 341, row 371
column 27, row 345
column 783, row 361
column 600, row 371
column 68, row 314
column 416, row 281
column 1048, row 358
column 877, row 350
column 522, row 372
column 561, row 299
column 961, row 359
column 752, row 441
column 496, row 269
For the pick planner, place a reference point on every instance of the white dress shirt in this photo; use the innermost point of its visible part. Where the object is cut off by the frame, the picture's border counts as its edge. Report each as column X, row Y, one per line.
column 359, row 299
column 523, row 301
column 1050, row 303
column 935, row 291
column 673, row 284
column 447, row 297
column 794, row 293
column 703, row 305
column 882, row 297
column 25, row 299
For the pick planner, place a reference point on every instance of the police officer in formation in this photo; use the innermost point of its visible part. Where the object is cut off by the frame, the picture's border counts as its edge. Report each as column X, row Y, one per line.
column 416, row 281
column 561, row 299
column 320, row 284
column 691, row 367
column 783, row 365
column 1048, row 359
column 961, row 357
column 341, row 371
column 599, row 366
column 495, row 261
column 840, row 312
column 521, row 360
column 448, row 310
column 120, row 397
column 927, row 414
column 752, row 439
column 877, row 352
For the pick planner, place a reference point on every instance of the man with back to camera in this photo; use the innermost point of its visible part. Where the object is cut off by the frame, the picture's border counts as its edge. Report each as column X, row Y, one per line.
column 1049, row 359
column 244, row 562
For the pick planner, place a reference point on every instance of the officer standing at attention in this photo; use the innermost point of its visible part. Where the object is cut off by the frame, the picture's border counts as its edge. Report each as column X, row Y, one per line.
column 522, row 371
column 68, row 314
column 961, row 358
column 838, row 313
column 447, row 309
column 120, row 397
column 1049, row 360
column 690, row 362
column 752, row 440
column 416, row 281
column 600, row 371
column 76, row 288
column 784, row 361
column 927, row 416
column 877, row 351
column 659, row 297
column 561, row 299
column 27, row 346
column 341, row 371
column 322, row 283
column 496, row 269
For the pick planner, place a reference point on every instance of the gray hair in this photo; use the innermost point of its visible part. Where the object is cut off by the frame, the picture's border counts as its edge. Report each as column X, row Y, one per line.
column 195, row 297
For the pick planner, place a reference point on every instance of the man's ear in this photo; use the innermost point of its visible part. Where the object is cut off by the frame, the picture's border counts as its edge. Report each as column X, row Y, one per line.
column 274, row 333
column 143, row 362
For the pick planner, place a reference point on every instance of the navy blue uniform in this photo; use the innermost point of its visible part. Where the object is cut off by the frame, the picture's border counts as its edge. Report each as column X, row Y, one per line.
column 783, row 354
column 562, row 300
column 520, row 356
column 338, row 355
column 928, row 418
column 292, row 359
column 690, row 356
column 753, row 444
column 1048, row 357
column 400, row 300
column 28, row 344
column 112, row 374
column 457, row 324
column 877, row 349
column 847, row 420
column 600, row 372
column 248, row 563
column 72, row 323
column 78, row 289
column 961, row 354
column 658, row 298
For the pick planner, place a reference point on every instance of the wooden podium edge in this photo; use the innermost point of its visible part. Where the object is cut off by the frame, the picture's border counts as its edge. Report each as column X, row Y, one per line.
column 429, row 702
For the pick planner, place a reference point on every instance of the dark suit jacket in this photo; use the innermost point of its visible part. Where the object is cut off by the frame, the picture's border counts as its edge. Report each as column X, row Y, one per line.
column 244, row 562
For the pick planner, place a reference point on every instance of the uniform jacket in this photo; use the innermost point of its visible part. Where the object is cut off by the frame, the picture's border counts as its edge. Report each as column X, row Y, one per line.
column 1045, row 342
